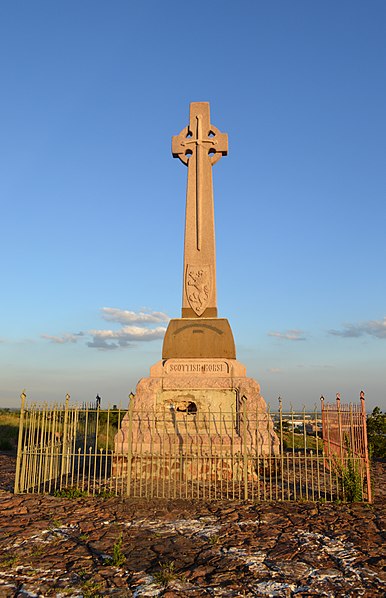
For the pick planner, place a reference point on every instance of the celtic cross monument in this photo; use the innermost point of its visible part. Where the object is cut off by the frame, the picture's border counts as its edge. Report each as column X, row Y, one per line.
column 199, row 146
column 198, row 372
column 199, row 333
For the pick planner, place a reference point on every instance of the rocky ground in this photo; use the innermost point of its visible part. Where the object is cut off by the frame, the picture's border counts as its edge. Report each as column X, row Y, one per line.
column 100, row 547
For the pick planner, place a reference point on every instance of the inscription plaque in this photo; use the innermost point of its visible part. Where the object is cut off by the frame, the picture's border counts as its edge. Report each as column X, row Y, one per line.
column 186, row 367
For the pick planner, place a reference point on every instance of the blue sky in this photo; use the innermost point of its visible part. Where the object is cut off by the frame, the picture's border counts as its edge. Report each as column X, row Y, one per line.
column 92, row 202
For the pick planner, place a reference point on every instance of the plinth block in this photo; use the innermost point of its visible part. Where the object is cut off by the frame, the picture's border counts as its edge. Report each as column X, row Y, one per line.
column 199, row 338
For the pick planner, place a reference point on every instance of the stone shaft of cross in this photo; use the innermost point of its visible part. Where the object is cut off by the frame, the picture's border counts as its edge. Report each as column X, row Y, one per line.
column 199, row 142
column 199, row 146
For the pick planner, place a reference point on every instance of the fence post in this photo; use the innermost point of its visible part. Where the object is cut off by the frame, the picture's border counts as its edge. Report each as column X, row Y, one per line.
column 245, row 453
column 367, row 461
column 19, row 444
column 317, row 448
column 281, row 446
column 342, row 452
column 64, row 445
column 129, row 448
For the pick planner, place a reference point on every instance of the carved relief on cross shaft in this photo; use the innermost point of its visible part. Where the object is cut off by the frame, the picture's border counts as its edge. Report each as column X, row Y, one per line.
column 198, row 282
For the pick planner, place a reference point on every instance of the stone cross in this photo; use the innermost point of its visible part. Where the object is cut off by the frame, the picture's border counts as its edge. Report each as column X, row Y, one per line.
column 199, row 146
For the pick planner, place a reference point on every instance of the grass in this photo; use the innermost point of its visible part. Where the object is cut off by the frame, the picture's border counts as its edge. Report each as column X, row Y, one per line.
column 91, row 589
column 166, row 574
column 70, row 493
column 296, row 441
column 9, row 429
column 118, row 559
column 350, row 478
column 106, row 434
column 37, row 552
column 84, row 537
column 105, row 494
column 9, row 560
column 215, row 539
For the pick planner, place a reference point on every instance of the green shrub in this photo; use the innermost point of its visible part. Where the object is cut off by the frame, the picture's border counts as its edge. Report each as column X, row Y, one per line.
column 352, row 481
column 166, row 574
column 349, row 475
column 376, row 434
column 118, row 559
column 70, row 493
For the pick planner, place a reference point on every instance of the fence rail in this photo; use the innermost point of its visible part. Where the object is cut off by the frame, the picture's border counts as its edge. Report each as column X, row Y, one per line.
column 199, row 455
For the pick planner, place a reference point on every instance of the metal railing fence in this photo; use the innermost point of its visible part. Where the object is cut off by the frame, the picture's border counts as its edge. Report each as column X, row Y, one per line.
column 69, row 449
column 345, row 435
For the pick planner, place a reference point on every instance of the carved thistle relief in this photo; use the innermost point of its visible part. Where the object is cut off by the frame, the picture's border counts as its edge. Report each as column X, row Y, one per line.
column 198, row 287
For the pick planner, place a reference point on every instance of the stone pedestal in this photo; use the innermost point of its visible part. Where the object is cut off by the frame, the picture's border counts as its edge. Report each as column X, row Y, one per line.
column 206, row 405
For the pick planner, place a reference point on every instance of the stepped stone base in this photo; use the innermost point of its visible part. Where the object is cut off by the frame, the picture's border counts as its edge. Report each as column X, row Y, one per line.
column 197, row 406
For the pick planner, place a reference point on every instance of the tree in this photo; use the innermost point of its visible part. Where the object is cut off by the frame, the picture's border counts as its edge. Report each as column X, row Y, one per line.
column 376, row 434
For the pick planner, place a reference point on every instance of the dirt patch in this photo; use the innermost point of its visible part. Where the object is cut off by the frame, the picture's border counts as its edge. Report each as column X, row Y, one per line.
column 120, row 547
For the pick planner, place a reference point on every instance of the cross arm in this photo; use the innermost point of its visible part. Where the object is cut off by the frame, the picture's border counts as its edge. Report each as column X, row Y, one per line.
column 215, row 142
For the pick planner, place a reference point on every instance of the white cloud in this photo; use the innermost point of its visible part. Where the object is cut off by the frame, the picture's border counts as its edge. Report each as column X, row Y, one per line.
column 124, row 316
column 125, row 336
column 103, row 345
column 289, row 335
column 274, row 370
column 375, row 328
column 131, row 333
column 65, row 338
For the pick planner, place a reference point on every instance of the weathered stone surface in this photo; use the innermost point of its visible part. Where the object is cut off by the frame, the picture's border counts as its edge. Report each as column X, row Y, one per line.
column 189, row 338
column 203, row 403
column 59, row 547
column 199, row 146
